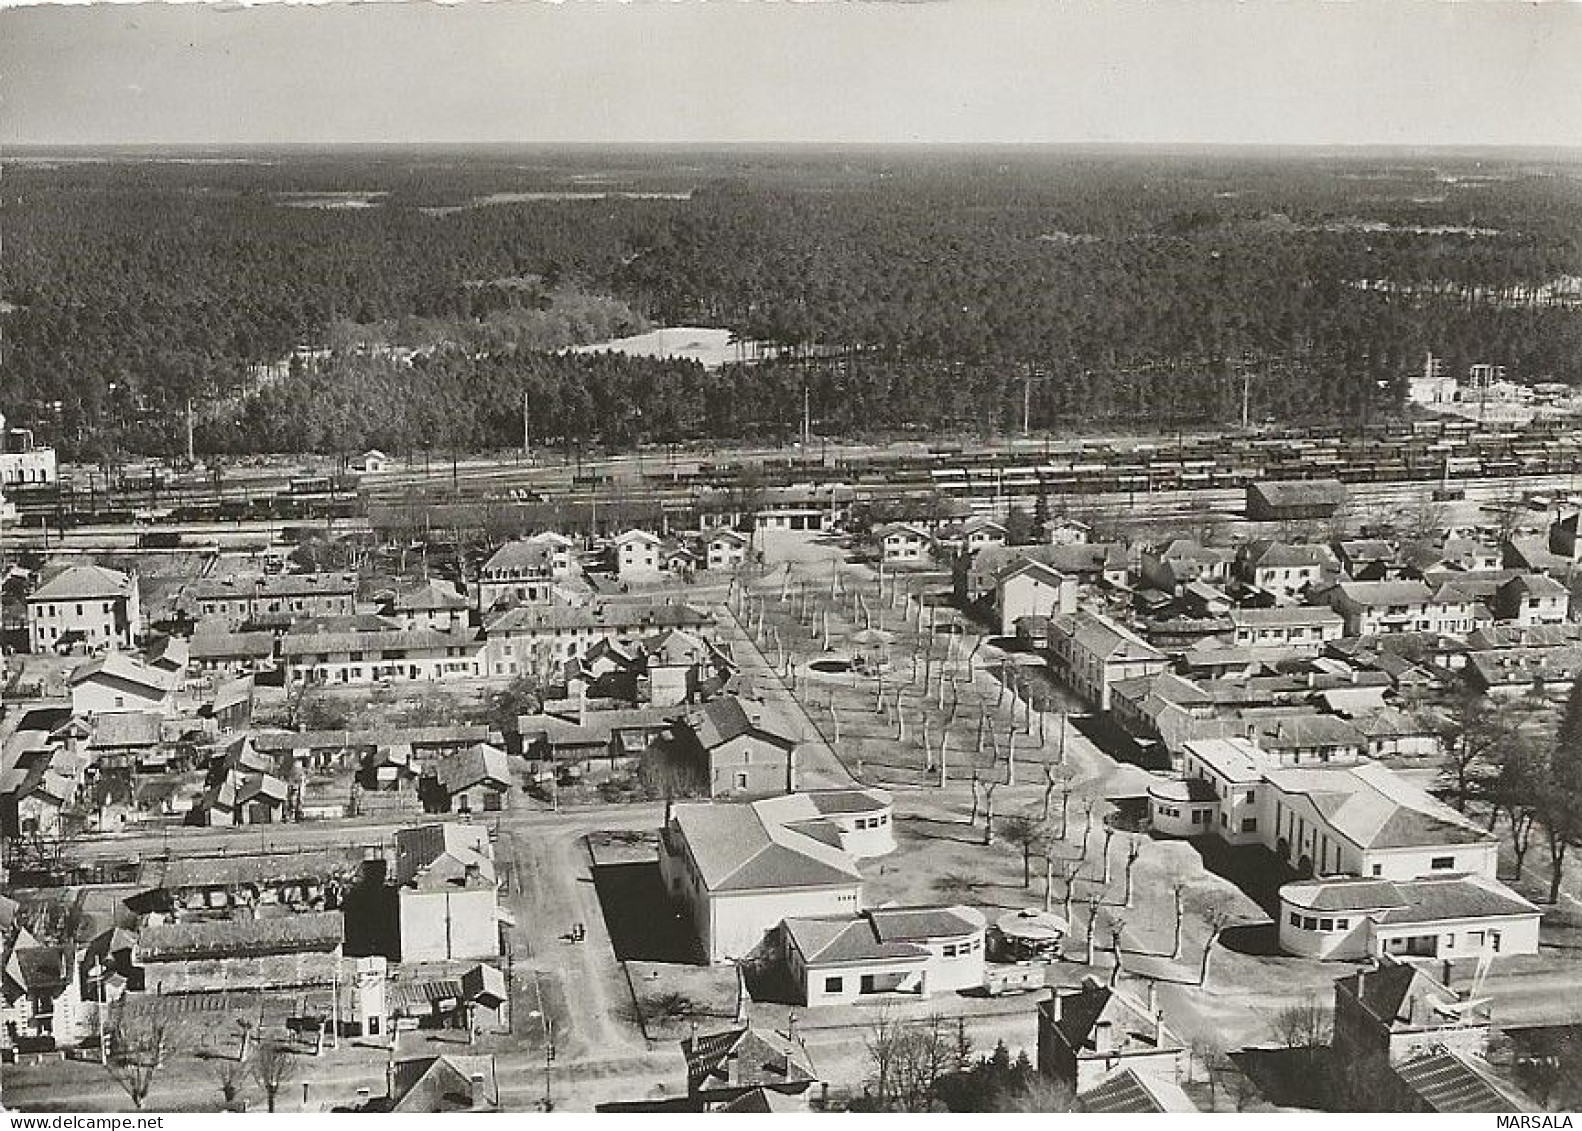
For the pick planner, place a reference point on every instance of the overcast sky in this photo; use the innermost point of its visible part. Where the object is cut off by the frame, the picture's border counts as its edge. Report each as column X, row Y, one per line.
column 1413, row 72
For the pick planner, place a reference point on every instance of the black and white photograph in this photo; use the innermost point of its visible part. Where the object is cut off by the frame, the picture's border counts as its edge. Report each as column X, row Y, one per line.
column 758, row 557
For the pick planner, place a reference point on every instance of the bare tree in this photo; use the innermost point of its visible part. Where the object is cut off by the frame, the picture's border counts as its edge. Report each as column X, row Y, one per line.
column 988, row 811
column 1134, row 849
column 272, row 1069
column 1303, row 1025
column 141, row 1047
column 231, row 1076
column 1026, row 834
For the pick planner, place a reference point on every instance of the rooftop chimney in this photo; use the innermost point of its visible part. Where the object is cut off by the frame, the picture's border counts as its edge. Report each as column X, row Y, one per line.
column 1159, row 1028
column 1103, row 1038
column 476, row 1094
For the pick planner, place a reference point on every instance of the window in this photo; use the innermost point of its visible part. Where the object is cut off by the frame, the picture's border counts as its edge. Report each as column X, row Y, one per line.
column 741, row 781
column 1442, row 863
column 834, row 985
column 1494, row 941
column 1342, row 924
column 949, row 950
column 1309, row 923
column 1249, row 824
column 1326, row 924
column 1378, row 869
column 1296, row 920
column 1251, row 797
column 1475, row 939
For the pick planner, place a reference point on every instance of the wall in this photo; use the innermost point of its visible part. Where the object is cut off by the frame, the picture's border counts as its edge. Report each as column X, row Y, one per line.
column 104, row 622
column 764, row 765
column 740, row 921
column 436, row 925
column 1457, row 938
column 99, row 695
column 878, row 839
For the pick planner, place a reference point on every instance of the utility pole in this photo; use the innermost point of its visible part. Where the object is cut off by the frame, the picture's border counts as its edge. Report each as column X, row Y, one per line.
column 526, row 446
column 1246, row 396
column 807, row 421
column 191, row 458
column 1027, row 402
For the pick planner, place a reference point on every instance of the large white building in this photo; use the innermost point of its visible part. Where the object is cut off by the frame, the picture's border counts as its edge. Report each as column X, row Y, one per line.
column 1340, row 822
column 736, row 870
column 87, row 606
column 21, row 462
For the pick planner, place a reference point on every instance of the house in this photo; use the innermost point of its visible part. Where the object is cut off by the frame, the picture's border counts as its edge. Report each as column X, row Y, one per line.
column 537, row 639
column 1088, row 1034
column 38, row 790
column 438, row 606
column 725, row 1067
column 1169, row 566
column 1287, row 570
column 433, row 1085
column 1066, row 531
column 918, row 951
column 128, row 740
column 1295, row 738
column 736, row 870
column 117, row 681
column 85, row 606
column 1285, row 500
column 218, row 650
column 901, row 543
column 242, row 797
column 474, row 780
column 1506, row 672
column 725, row 549
column 257, row 883
column 526, row 571
column 376, row 655
column 1374, row 608
column 1399, row 1029
column 270, row 600
column 1470, row 554
column 1366, row 559
column 677, row 667
column 436, row 997
column 1532, row 598
column 1032, row 589
column 555, row 744
column 736, row 755
column 637, row 555
column 41, row 993
column 446, row 894
column 1300, row 629
column 1091, row 653
column 371, row 462
column 1437, row 916
column 975, row 534
column 282, row 952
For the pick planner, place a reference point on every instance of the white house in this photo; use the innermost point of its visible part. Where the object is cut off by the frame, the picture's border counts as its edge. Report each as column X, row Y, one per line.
column 1450, row 916
column 919, row 951
column 637, row 555
column 1092, row 653
column 1032, row 589
column 901, row 543
column 1532, row 598
column 526, row 571
column 85, row 605
column 1373, row 608
column 119, row 682
column 386, row 654
column 736, row 870
column 1284, row 569
column 371, row 462
column 726, row 550
column 1302, row 629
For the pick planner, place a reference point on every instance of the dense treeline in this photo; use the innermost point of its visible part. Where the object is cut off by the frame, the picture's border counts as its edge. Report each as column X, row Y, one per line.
column 1125, row 286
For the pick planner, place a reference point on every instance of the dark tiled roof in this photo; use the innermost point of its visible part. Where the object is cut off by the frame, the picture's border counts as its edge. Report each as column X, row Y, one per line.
column 1448, row 1083
column 318, row 931
column 744, row 1057
column 443, row 1083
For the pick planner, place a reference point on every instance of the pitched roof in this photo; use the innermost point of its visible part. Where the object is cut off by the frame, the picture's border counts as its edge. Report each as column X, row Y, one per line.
column 83, row 583
column 1285, row 492
column 1080, row 1013
column 308, row 932
column 1451, row 1083
column 1098, row 635
column 748, row 847
column 126, row 728
column 1270, row 554
column 1374, row 808
column 836, row 942
column 478, row 764
column 433, row 1084
column 1372, row 593
column 1438, row 899
column 1126, row 1092
column 833, row 802
column 1286, row 616
column 416, row 639
column 443, row 855
column 210, row 645
column 744, row 1057
column 431, row 596
column 120, row 665
column 278, row 586
column 721, row 720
